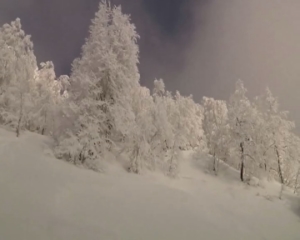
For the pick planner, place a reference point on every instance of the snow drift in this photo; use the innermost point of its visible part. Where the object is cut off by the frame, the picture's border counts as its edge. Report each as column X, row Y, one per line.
column 44, row 198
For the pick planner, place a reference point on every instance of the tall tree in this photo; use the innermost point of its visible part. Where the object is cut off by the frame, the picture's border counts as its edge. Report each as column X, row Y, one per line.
column 18, row 64
column 103, row 80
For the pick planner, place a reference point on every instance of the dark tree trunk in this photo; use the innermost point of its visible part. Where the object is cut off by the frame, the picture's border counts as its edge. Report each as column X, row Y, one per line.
column 242, row 162
column 296, row 181
column 215, row 168
column 20, row 116
column 279, row 165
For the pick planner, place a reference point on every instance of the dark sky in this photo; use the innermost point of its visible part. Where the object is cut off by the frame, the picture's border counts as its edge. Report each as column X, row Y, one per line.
column 59, row 27
column 200, row 47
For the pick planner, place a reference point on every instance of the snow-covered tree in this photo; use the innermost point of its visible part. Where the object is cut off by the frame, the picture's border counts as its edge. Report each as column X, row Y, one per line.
column 64, row 82
column 101, row 85
column 185, row 118
column 277, row 134
column 84, row 140
column 215, row 125
column 18, row 64
column 191, row 117
column 291, row 162
column 242, row 121
column 110, row 55
column 179, row 131
column 47, row 100
column 138, row 141
column 163, row 136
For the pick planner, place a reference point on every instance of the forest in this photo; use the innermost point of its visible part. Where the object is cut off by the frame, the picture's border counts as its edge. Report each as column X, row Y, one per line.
column 101, row 110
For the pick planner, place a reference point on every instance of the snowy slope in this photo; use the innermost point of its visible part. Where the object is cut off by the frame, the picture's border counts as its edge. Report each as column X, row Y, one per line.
column 44, row 198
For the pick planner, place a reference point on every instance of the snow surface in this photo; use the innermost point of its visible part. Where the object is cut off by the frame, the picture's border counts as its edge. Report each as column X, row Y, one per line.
column 44, row 198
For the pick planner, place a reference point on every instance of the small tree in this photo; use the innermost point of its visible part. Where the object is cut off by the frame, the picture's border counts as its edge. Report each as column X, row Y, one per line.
column 191, row 118
column 138, row 142
column 83, row 141
column 242, row 121
column 47, row 100
column 278, row 134
column 162, row 137
column 215, row 125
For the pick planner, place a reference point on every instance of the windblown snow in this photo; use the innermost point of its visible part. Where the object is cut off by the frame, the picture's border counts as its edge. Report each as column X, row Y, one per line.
column 44, row 198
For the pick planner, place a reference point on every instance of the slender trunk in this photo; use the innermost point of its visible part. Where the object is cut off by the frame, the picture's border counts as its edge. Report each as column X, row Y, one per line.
column 242, row 171
column 265, row 164
column 137, row 163
column 215, row 167
column 20, row 115
column 45, row 122
column 279, row 165
column 172, row 166
column 296, row 182
column 135, row 160
column 279, row 171
column 242, row 162
column 281, row 191
column 264, row 157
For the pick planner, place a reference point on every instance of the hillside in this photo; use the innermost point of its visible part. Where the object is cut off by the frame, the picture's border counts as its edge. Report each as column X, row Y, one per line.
column 44, row 198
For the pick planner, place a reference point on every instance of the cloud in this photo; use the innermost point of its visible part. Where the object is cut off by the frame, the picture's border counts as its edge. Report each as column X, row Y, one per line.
column 255, row 41
column 199, row 47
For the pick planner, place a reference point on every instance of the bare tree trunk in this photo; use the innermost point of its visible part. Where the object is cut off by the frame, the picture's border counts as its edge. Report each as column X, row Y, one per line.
column 264, row 157
column 215, row 164
column 242, row 162
column 135, row 161
column 172, row 166
column 45, row 123
column 296, row 182
column 279, row 172
column 265, row 164
column 20, row 115
column 279, row 165
column 281, row 191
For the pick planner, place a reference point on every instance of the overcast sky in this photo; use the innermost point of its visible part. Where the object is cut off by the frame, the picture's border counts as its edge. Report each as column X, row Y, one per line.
column 200, row 47
column 59, row 27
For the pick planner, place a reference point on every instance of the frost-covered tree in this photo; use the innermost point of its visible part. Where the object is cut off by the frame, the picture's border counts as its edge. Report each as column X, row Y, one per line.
column 138, row 143
column 161, row 138
column 185, row 118
column 177, row 122
column 18, row 64
column 47, row 100
column 84, row 140
column 291, row 162
column 110, row 55
column 179, row 134
column 102, row 82
column 242, row 121
column 64, row 82
column 163, row 135
column 170, row 131
column 277, row 134
column 191, row 117
column 216, row 129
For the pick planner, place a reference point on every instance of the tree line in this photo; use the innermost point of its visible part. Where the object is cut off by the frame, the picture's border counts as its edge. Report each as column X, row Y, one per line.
column 101, row 109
